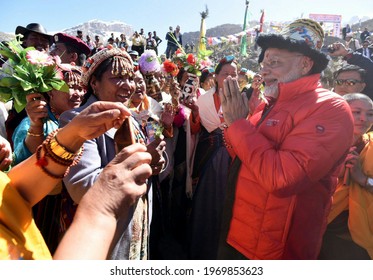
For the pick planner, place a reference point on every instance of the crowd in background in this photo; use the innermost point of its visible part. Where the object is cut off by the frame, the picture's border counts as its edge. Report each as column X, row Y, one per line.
column 215, row 159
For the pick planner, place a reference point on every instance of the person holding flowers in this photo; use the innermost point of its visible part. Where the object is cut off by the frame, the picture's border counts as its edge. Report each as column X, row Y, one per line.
column 43, row 111
column 33, row 35
column 111, row 197
column 109, row 75
column 29, row 71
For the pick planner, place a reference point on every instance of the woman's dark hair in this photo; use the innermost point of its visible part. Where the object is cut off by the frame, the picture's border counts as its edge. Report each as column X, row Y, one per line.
column 349, row 67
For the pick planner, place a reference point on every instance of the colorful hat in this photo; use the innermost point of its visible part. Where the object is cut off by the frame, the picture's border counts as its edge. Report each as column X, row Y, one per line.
column 122, row 61
column 304, row 36
column 73, row 41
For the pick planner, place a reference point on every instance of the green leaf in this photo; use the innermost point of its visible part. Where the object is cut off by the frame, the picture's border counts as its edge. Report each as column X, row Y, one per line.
column 64, row 87
column 58, row 84
column 49, row 71
column 27, row 85
column 44, row 87
column 19, row 101
column 5, row 94
column 10, row 55
column 205, row 53
column 19, row 106
column 9, row 82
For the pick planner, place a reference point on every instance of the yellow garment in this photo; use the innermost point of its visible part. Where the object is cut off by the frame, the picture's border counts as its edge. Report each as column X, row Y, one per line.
column 19, row 236
column 359, row 201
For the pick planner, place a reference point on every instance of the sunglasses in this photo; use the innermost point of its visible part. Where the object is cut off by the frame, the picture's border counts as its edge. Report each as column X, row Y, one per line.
column 347, row 82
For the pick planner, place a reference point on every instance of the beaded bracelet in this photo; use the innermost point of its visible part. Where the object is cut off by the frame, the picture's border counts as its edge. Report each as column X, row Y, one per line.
column 59, row 153
column 59, row 160
column 224, row 140
column 42, row 162
column 49, row 152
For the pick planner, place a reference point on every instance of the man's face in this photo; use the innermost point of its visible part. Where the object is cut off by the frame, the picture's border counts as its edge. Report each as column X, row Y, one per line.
column 38, row 41
column 60, row 50
column 280, row 66
column 348, row 82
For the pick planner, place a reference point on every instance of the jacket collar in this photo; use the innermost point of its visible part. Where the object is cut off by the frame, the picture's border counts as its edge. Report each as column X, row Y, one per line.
column 299, row 86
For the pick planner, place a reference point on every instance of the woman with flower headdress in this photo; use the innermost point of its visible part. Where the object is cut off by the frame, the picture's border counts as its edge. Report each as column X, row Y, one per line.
column 43, row 111
column 109, row 76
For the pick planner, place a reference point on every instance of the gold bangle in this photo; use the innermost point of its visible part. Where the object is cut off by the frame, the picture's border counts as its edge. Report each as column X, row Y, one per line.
column 34, row 134
column 60, row 150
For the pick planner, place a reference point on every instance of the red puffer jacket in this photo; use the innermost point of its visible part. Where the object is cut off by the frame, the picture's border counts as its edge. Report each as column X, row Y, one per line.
column 289, row 171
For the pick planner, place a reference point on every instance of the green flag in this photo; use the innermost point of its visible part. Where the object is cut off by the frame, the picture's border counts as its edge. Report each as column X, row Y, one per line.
column 244, row 37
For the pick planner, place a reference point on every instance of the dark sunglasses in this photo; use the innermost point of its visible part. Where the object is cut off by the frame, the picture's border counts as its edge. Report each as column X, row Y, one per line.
column 348, row 82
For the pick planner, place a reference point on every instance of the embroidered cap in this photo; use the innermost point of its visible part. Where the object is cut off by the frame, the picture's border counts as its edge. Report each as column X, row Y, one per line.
column 303, row 36
column 305, row 30
column 122, row 61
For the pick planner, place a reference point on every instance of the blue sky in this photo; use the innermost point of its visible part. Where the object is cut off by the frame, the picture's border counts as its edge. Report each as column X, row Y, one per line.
column 158, row 15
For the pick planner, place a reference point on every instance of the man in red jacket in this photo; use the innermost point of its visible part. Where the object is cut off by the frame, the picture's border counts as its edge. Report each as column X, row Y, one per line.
column 287, row 154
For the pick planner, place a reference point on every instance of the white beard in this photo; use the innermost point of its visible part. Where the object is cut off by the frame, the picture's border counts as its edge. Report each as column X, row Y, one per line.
column 272, row 90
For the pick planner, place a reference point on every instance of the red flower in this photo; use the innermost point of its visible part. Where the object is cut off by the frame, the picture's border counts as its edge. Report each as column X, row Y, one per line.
column 170, row 68
column 191, row 59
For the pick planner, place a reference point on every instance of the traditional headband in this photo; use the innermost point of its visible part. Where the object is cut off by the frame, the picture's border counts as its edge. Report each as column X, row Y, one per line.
column 122, row 61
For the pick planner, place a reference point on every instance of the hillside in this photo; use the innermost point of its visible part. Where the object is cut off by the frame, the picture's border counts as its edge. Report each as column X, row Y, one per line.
column 218, row 31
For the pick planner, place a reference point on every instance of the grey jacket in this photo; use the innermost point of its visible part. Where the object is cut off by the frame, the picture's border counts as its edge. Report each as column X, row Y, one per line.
column 97, row 154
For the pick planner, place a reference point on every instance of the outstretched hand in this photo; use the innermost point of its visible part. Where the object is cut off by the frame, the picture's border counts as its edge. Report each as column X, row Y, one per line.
column 92, row 122
column 338, row 49
column 234, row 103
column 99, row 118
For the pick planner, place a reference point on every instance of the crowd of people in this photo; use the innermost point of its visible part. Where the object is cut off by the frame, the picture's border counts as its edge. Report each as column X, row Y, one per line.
column 151, row 156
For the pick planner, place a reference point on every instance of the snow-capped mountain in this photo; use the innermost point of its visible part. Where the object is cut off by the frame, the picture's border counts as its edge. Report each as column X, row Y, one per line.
column 101, row 28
